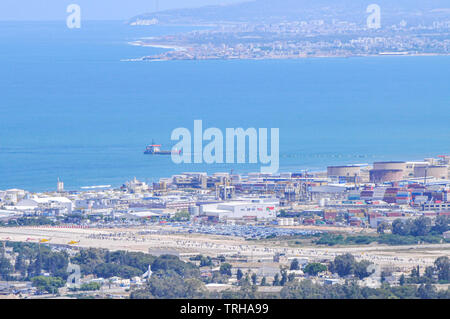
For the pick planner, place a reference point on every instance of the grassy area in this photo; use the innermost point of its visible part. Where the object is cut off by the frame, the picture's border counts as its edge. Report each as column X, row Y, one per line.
column 342, row 239
column 386, row 239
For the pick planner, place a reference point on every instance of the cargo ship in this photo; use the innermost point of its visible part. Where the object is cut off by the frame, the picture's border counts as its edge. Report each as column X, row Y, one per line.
column 155, row 149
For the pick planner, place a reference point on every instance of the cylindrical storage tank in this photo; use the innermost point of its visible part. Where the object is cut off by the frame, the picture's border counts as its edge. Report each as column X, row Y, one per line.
column 389, row 166
column 440, row 172
column 344, row 171
column 385, row 175
column 322, row 202
column 194, row 210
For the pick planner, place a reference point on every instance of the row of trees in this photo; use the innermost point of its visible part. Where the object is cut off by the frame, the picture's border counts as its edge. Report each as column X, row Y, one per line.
column 168, row 283
column 48, row 284
column 205, row 261
column 171, row 285
column 438, row 273
column 172, row 278
column 346, row 265
column 421, row 226
column 106, row 264
column 403, row 232
column 306, row 289
column 31, row 260
column 28, row 221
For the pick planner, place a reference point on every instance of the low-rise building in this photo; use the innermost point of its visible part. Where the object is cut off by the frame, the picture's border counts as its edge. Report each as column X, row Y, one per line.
column 241, row 210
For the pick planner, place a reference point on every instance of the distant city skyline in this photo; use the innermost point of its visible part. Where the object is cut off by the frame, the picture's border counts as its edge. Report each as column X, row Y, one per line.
column 29, row 10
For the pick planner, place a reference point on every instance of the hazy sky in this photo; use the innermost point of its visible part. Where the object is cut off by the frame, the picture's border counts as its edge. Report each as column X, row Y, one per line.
column 92, row 9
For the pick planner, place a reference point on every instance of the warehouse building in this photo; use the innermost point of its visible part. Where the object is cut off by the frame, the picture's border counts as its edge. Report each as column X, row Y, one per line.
column 260, row 210
column 58, row 205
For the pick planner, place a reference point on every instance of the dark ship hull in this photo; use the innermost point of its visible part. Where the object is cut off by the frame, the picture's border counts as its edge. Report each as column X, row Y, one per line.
column 161, row 152
column 154, row 149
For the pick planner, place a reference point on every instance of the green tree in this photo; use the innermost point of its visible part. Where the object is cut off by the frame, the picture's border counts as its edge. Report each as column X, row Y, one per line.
column 170, row 285
column 441, row 224
column 401, row 227
column 384, row 275
column 195, row 288
column 5, row 268
column 263, row 281
column 55, row 263
column 254, row 278
column 304, row 289
column 313, row 269
column 429, row 274
column 48, row 284
column 239, row 274
column 37, row 265
column 92, row 286
column 427, row 291
column 361, row 269
column 284, row 277
column 170, row 262
column 442, row 265
column 343, row 265
column 421, row 226
column 276, row 280
column 225, row 269
column 402, row 280
column 291, row 277
column 108, row 257
column 295, row 264
column 383, row 227
column 221, row 258
column 415, row 275
column 246, row 291
column 182, row 216
column 245, row 281
column 112, row 270
column 20, row 265
column 206, row 261
column 89, row 259
column 218, row 278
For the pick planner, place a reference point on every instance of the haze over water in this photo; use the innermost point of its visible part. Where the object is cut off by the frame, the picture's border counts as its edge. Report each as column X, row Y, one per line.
column 70, row 108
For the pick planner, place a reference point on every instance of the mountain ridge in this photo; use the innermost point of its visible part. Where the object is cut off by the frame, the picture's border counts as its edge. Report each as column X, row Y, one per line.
column 416, row 11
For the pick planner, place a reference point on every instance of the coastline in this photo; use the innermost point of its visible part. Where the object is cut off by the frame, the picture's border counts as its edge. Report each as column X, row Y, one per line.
column 179, row 48
column 162, row 59
column 158, row 46
column 100, row 185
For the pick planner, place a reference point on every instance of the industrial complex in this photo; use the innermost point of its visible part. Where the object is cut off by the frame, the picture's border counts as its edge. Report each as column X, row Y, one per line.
column 256, row 222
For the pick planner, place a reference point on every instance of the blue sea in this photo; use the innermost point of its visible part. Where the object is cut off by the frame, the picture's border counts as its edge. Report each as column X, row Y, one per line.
column 71, row 108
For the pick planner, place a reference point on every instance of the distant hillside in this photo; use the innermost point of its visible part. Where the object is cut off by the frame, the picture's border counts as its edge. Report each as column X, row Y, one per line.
column 393, row 11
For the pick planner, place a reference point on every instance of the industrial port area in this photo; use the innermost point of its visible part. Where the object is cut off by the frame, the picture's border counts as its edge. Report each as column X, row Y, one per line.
column 393, row 216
